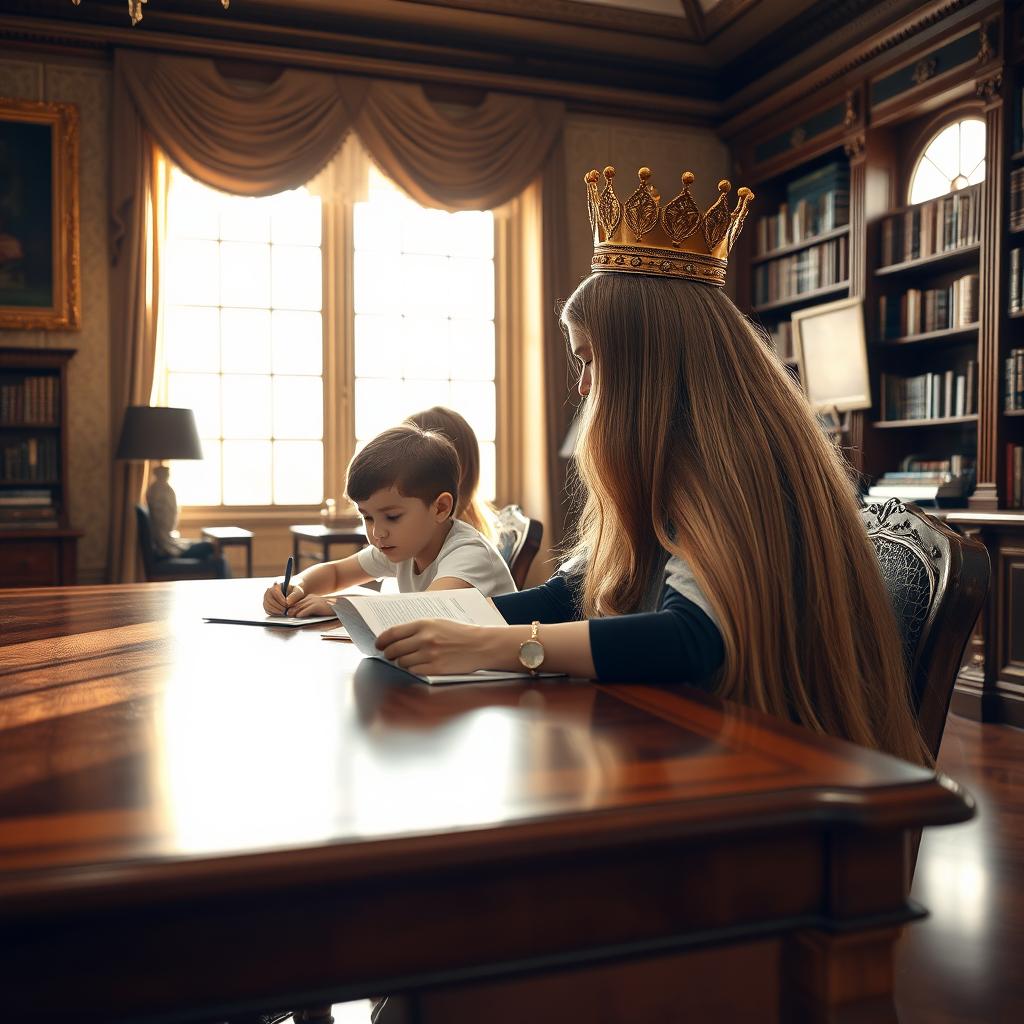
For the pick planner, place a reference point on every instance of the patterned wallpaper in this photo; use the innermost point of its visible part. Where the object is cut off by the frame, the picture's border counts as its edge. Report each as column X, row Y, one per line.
column 89, row 442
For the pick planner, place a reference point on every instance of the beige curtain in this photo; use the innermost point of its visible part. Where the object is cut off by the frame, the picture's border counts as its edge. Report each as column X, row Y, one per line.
column 475, row 159
column 261, row 138
column 141, row 220
column 249, row 138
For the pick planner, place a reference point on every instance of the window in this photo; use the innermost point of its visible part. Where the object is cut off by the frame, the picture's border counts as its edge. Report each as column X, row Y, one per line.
column 424, row 316
column 243, row 343
column 952, row 160
column 248, row 345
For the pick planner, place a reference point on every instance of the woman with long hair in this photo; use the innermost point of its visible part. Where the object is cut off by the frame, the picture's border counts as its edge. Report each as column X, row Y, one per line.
column 448, row 423
column 719, row 541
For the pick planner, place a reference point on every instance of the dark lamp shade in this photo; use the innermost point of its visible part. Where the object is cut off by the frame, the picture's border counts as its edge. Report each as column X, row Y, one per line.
column 155, row 432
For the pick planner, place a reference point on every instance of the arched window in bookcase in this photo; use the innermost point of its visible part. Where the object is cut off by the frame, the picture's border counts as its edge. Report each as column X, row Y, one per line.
column 953, row 159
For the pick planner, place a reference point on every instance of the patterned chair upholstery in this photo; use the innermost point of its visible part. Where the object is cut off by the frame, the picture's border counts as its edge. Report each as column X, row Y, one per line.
column 937, row 582
column 518, row 541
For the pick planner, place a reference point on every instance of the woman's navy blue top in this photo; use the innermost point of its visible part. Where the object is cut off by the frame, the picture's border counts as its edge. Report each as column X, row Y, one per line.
column 676, row 643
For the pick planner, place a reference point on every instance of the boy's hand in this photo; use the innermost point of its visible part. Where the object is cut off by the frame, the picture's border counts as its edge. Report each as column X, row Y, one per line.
column 274, row 602
column 311, row 604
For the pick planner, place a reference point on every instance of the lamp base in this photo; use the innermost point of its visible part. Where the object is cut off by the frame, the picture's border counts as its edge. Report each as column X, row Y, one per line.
column 163, row 512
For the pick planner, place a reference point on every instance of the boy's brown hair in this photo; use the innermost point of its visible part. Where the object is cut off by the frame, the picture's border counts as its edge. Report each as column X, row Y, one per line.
column 418, row 463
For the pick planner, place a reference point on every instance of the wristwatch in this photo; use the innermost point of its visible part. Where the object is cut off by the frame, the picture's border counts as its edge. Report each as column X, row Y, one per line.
column 531, row 652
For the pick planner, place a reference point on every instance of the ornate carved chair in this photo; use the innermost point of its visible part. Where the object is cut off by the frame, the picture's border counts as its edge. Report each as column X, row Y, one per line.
column 937, row 582
column 519, row 540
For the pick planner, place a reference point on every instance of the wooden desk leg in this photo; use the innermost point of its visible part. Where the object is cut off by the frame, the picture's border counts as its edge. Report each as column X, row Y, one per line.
column 839, row 978
column 296, row 556
column 248, row 557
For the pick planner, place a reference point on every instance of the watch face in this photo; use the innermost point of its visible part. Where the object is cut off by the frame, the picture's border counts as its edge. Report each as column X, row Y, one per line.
column 531, row 654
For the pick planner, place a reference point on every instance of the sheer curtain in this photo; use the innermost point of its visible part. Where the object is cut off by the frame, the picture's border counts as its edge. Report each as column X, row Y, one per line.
column 258, row 139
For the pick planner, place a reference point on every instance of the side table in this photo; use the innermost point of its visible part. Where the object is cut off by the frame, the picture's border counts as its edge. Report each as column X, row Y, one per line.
column 227, row 536
column 323, row 536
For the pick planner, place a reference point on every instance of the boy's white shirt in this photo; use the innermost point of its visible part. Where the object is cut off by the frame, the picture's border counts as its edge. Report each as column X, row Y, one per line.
column 465, row 555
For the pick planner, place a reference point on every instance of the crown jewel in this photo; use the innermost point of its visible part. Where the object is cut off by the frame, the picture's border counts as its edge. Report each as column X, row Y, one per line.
column 675, row 240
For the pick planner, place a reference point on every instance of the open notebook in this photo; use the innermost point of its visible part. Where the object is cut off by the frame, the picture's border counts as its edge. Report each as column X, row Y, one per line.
column 365, row 617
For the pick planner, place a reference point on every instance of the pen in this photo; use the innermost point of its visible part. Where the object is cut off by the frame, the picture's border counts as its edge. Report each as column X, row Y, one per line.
column 287, row 577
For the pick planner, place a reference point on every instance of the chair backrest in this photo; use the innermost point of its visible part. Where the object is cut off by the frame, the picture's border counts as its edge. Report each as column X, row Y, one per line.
column 937, row 582
column 158, row 568
column 518, row 541
column 146, row 546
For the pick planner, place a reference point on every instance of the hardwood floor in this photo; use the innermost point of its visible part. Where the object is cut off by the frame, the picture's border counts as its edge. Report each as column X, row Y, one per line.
column 963, row 964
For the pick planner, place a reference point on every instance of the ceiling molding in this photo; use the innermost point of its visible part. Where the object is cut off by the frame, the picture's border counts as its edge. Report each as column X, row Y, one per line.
column 582, row 96
column 573, row 12
column 528, row 46
column 787, row 83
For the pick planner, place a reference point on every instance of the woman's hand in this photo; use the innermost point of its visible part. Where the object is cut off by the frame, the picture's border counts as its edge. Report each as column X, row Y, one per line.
column 434, row 646
column 298, row 603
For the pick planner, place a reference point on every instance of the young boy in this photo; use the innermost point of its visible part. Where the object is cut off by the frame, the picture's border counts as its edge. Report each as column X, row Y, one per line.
column 405, row 483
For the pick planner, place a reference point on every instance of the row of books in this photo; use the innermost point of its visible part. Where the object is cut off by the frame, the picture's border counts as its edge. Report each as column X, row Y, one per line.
column 942, row 224
column 29, row 400
column 921, row 478
column 27, row 507
column 807, row 220
column 1016, row 300
column 929, row 396
column 815, row 203
column 1013, row 380
column 1017, row 199
column 918, row 310
column 816, row 267
column 34, row 458
column 1014, row 476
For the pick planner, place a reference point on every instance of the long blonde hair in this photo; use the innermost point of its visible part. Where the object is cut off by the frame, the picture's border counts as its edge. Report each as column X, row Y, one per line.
column 695, row 440
column 472, row 508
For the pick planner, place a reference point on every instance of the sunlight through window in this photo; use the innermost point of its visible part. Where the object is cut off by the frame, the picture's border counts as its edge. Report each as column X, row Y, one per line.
column 424, row 316
column 954, row 159
column 243, row 343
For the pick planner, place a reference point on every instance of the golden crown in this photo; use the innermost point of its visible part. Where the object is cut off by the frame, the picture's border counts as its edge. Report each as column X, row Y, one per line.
column 641, row 236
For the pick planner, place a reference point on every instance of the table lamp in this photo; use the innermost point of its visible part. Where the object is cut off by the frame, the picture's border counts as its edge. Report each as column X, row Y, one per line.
column 155, row 433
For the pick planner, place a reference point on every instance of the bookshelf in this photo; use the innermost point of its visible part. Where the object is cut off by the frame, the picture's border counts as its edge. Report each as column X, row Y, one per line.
column 38, row 547
column 801, row 246
column 945, row 313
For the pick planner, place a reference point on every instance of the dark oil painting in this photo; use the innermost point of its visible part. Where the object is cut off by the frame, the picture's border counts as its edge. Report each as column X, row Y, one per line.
column 26, row 214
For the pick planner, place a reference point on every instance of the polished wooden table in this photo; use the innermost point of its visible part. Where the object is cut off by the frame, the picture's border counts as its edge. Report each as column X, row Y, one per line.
column 198, row 820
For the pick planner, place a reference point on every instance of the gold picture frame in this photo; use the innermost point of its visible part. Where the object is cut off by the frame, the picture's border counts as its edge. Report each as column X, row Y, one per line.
column 40, row 274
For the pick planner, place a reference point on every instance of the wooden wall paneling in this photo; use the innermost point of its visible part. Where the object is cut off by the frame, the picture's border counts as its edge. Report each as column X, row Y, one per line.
column 1007, row 694
column 1011, row 641
column 928, row 79
column 991, row 294
column 990, row 684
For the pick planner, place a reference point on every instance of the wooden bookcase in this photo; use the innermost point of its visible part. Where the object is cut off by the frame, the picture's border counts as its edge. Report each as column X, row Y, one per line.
column 879, row 116
column 38, row 547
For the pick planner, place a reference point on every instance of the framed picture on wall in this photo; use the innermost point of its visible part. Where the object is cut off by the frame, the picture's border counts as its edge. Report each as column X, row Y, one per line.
column 39, row 263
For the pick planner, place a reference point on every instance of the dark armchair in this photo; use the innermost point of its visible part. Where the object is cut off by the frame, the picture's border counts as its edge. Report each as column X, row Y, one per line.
column 159, row 567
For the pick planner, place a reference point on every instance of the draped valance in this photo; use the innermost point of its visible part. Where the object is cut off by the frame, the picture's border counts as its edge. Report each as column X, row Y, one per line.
column 257, row 139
